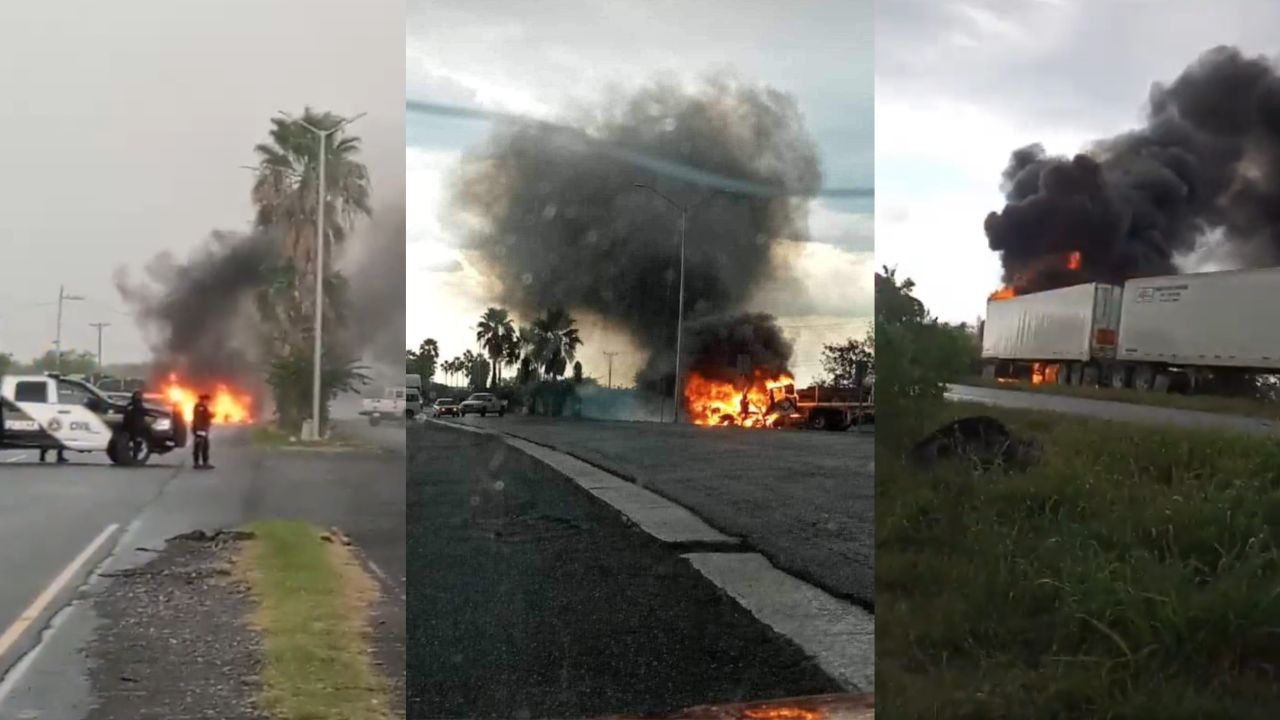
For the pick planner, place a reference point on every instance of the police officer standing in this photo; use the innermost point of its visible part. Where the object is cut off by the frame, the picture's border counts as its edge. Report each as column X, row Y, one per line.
column 201, row 422
column 135, row 422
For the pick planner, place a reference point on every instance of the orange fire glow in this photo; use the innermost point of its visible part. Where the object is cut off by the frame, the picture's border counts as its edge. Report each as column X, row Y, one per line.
column 715, row 402
column 227, row 406
column 1006, row 292
column 1042, row 373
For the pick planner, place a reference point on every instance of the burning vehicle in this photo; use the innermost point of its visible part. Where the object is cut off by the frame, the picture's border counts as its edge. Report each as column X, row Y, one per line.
column 774, row 402
column 1146, row 334
column 1152, row 257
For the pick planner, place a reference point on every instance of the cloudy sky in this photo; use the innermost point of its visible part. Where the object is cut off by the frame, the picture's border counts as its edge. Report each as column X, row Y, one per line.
column 538, row 59
column 959, row 85
column 126, row 124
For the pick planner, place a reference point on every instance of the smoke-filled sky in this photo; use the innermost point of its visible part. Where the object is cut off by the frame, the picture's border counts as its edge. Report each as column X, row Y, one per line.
column 126, row 124
column 961, row 85
column 554, row 60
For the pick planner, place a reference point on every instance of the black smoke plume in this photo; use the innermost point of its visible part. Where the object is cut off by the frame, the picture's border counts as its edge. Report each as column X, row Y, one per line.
column 558, row 223
column 712, row 347
column 374, row 266
column 1204, row 169
column 200, row 313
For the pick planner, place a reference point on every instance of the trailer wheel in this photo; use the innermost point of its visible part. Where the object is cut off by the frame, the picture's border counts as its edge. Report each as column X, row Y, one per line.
column 1144, row 376
column 1118, row 378
column 1077, row 374
column 1090, row 376
column 819, row 421
column 989, row 371
column 1162, row 382
column 1062, row 375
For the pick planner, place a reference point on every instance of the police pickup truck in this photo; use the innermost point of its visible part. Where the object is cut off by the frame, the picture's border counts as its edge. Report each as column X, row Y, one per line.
column 48, row 411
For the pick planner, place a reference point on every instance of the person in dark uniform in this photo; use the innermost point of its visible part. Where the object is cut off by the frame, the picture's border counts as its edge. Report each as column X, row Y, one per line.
column 135, row 421
column 62, row 458
column 201, row 422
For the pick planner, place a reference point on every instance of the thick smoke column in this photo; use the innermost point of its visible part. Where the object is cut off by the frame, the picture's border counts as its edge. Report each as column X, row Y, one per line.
column 201, row 312
column 1207, row 160
column 374, row 267
column 714, row 344
column 558, row 224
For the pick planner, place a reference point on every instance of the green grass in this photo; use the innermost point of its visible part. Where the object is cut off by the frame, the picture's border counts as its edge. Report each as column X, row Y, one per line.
column 269, row 436
column 312, row 612
column 1206, row 403
column 1133, row 573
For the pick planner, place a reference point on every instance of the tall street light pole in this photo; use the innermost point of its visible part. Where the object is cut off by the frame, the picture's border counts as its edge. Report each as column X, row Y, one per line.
column 684, row 214
column 610, row 356
column 57, row 342
column 322, row 136
column 100, row 326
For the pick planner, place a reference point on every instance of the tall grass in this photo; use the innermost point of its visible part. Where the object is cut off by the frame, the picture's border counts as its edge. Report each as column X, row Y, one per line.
column 1133, row 573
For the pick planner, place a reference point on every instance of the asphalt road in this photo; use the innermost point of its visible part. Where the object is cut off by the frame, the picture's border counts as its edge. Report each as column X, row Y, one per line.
column 1110, row 410
column 532, row 599
column 48, row 514
column 804, row 499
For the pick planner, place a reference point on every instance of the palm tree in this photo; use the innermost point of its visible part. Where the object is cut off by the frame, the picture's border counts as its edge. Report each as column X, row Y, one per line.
column 494, row 333
column 285, row 190
column 558, row 340
column 514, row 348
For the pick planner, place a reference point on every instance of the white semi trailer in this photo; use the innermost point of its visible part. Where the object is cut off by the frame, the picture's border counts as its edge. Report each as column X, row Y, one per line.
column 1144, row 334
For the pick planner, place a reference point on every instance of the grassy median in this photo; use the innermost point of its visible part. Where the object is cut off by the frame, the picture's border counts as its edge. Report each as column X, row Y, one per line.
column 1250, row 407
column 313, row 604
column 1133, row 573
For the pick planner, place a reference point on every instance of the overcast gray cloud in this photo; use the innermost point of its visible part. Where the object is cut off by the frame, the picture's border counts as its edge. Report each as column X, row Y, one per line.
column 125, row 125
column 551, row 60
column 960, row 85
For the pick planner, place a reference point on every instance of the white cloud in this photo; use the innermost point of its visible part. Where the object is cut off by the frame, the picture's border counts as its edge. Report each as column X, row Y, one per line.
column 851, row 231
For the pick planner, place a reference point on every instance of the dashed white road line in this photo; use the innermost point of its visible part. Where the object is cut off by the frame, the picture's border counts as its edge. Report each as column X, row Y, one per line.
column 15, row 458
column 38, row 606
column 837, row 634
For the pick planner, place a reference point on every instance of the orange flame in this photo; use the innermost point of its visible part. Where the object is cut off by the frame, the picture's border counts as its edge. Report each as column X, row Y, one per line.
column 716, row 402
column 1006, row 292
column 226, row 405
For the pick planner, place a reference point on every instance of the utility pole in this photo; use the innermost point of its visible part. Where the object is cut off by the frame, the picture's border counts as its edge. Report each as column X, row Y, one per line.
column 684, row 211
column 57, row 342
column 610, row 356
column 99, row 326
column 322, row 136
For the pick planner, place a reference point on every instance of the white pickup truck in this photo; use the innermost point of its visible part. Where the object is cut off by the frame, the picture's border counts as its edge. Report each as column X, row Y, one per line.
column 49, row 412
column 483, row 404
column 395, row 404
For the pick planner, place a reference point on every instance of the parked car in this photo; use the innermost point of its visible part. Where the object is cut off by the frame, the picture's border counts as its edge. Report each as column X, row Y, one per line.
column 482, row 404
column 445, row 407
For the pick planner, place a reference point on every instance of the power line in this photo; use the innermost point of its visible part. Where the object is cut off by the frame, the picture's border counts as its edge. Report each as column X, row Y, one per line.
column 659, row 165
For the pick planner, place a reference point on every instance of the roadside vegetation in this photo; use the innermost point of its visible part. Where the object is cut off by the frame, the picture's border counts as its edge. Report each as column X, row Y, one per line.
column 1251, row 407
column 267, row 436
column 1132, row 572
column 313, row 606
